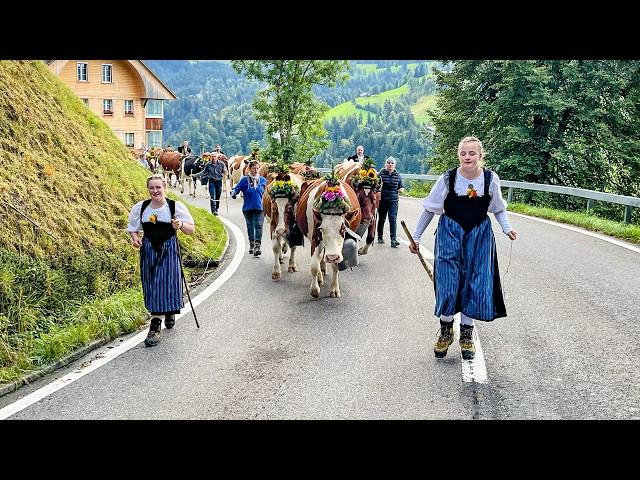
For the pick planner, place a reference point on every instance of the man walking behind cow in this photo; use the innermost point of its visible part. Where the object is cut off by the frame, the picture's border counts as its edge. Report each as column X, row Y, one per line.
column 214, row 171
column 389, row 198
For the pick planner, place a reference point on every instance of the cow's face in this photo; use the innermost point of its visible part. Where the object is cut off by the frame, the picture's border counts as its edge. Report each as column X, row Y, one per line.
column 331, row 230
column 278, row 214
column 368, row 204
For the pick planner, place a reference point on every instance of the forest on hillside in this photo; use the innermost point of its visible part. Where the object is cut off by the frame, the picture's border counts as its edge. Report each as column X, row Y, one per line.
column 215, row 106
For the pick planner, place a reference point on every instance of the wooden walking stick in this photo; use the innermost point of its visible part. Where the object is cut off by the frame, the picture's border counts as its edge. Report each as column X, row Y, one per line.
column 226, row 192
column 185, row 283
column 417, row 247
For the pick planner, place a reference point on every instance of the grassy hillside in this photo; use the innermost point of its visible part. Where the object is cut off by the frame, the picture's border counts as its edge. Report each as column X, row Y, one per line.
column 419, row 109
column 348, row 108
column 68, row 274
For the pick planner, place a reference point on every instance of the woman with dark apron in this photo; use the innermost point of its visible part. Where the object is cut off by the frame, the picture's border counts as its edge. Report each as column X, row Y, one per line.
column 160, row 219
column 467, row 279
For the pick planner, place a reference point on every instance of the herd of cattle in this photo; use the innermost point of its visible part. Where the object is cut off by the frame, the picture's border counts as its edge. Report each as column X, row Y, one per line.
column 324, row 231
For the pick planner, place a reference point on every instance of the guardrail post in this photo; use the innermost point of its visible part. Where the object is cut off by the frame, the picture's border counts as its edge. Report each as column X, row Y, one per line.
column 627, row 214
column 509, row 194
column 589, row 204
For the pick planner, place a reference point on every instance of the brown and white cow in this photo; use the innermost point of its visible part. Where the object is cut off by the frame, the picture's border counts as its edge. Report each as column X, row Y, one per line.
column 281, row 214
column 325, row 231
column 369, row 199
column 171, row 162
column 238, row 166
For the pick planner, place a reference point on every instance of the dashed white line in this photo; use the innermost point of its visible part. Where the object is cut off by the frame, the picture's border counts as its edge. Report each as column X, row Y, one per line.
column 472, row 370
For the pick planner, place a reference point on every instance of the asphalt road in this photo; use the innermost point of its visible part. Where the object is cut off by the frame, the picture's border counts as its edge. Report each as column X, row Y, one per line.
column 268, row 350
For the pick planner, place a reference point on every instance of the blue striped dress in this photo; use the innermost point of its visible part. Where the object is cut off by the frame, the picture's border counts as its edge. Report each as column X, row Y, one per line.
column 466, row 270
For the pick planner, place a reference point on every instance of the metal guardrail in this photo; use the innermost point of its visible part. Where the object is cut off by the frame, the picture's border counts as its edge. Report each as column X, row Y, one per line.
column 590, row 195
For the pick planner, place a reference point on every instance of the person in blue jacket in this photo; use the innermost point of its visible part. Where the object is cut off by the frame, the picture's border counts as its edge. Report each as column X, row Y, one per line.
column 252, row 187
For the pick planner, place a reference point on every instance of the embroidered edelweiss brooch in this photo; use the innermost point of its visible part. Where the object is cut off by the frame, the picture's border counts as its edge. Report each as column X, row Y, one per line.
column 153, row 217
column 471, row 192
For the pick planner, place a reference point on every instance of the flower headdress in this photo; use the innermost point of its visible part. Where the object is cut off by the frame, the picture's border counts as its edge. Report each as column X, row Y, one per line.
column 282, row 186
column 333, row 200
column 367, row 176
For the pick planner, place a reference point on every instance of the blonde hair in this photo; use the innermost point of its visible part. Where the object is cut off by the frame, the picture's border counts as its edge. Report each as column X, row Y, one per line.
column 157, row 176
column 474, row 139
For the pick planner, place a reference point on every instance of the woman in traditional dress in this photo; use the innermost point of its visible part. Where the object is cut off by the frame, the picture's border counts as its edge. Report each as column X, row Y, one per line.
column 160, row 218
column 467, row 279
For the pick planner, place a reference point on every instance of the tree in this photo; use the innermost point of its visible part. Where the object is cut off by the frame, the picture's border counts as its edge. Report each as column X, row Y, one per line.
column 572, row 123
column 287, row 105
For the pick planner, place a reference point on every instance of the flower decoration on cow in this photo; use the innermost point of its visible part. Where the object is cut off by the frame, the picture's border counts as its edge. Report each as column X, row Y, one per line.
column 332, row 200
column 367, row 176
column 282, row 186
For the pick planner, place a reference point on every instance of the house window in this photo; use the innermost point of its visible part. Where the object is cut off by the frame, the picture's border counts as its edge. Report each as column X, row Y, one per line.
column 107, row 106
column 154, row 138
column 154, row 108
column 128, row 139
column 85, row 101
column 128, row 107
column 82, row 72
column 106, row 73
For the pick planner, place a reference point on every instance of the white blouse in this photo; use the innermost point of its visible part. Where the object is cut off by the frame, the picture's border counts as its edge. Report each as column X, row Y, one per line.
column 434, row 202
column 163, row 213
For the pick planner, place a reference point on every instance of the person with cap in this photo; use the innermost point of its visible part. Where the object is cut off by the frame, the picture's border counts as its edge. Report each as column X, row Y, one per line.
column 389, row 198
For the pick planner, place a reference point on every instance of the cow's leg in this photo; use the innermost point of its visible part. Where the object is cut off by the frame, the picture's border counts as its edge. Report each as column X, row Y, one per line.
column 323, row 266
column 316, row 274
column 283, row 248
column 335, row 285
column 292, row 260
column 276, row 274
column 181, row 184
column 371, row 231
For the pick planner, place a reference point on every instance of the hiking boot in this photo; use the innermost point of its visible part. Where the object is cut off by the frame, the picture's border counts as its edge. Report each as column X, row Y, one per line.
column 380, row 240
column 250, row 246
column 466, row 342
column 170, row 320
column 394, row 243
column 445, row 338
column 256, row 248
column 154, row 335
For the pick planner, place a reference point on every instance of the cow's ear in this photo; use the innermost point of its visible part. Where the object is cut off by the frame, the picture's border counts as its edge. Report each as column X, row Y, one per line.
column 351, row 215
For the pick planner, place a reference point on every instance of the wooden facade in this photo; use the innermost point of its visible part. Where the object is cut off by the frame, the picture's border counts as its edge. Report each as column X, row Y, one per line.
column 132, row 85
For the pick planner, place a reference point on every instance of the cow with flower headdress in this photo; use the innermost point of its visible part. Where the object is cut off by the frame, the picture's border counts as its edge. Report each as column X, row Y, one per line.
column 327, row 209
column 366, row 183
column 279, row 203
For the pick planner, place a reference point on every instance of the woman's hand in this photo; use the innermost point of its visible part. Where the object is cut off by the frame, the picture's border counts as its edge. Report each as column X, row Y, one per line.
column 135, row 241
column 413, row 249
column 176, row 224
column 512, row 234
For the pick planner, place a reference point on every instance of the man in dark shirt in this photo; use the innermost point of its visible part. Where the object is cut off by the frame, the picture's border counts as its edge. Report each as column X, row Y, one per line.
column 214, row 171
column 389, row 198
column 359, row 155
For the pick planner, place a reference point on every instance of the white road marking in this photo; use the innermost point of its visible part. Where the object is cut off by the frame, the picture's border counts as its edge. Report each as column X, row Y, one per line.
column 472, row 370
column 116, row 349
